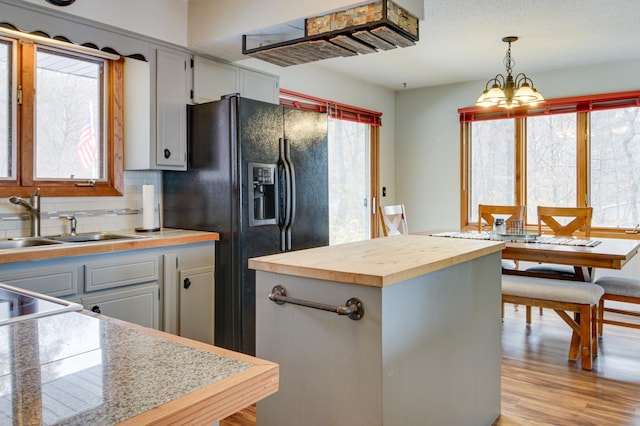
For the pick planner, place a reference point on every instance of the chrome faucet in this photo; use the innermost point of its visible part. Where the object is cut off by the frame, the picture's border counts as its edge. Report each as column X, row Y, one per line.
column 33, row 208
column 73, row 223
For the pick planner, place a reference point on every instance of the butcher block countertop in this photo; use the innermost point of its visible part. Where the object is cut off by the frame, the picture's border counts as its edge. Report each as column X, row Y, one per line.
column 378, row 262
column 87, row 369
column 164, row 237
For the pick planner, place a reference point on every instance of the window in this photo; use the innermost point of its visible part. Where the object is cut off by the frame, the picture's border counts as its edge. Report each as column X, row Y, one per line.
column 569, row 152
column 60, row 118
column 354, row 141
column 493, row 167
column 7, row 125
column 551, row 162
column 349, row 160
column 615, row 174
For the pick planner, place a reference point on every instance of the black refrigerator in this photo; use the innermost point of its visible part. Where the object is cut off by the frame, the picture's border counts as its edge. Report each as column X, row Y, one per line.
column 257, row 174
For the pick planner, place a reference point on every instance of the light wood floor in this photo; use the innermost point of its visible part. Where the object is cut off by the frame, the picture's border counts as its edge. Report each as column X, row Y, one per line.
column 541, row 387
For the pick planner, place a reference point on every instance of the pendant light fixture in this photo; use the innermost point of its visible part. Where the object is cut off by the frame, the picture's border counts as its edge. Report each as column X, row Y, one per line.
column 507, row 92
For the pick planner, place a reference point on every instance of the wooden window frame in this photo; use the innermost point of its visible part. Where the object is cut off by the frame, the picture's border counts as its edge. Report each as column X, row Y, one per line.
column 24, row 183
column 581, row 106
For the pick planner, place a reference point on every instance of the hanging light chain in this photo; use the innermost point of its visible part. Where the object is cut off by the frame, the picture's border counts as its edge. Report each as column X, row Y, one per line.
column 508, row 61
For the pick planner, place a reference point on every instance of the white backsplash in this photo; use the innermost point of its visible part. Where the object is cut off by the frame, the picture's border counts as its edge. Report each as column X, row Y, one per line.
column 93, row 213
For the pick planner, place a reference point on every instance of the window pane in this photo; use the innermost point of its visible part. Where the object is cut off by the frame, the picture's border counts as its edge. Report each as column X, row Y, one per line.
column 68, row 141
column 6, row 116
column 615, row 175
column 551, row 162
column 492, row 164
column 348, row 181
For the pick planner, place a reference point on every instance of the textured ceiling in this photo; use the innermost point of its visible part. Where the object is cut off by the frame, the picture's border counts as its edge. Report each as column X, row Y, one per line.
column 460, row 40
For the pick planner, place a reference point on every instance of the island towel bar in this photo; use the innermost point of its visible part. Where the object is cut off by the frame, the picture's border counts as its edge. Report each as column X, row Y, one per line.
column 354, row 308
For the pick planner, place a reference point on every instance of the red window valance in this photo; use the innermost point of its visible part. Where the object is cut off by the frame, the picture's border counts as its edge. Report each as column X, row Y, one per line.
column 555, row 106
column 333, row 109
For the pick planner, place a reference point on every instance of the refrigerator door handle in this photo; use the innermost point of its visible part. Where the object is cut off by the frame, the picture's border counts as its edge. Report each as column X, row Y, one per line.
column 291, row 187
column 285, row 176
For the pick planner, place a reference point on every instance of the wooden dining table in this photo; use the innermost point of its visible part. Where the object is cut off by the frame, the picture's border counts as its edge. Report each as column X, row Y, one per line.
column 607, row 253
column 610, row 253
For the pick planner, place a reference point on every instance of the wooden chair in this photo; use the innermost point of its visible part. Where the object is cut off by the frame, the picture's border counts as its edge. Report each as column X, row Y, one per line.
column 563, row 222
column 488, row 213
column 620, row 289
column 577, row 223
column 393, row 220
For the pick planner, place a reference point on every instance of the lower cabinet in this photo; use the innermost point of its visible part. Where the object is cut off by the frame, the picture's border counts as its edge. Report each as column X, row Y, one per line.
column 189, row 293
column 169, row 288
column 138, row 305
column 196, row 304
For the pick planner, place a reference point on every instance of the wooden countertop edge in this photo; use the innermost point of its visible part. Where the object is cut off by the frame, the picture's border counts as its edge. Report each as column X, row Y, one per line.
column 370, row 279
column 81, row 249
column 216, row 401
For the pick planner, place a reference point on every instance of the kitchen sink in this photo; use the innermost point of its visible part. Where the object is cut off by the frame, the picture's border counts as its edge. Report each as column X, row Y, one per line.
column 26, row 242
column 92, row 237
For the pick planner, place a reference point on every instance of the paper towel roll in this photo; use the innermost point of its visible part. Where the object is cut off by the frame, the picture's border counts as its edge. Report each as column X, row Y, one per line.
column 148, row 207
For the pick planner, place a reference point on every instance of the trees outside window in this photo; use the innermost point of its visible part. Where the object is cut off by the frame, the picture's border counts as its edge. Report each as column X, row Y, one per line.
column 569, row 152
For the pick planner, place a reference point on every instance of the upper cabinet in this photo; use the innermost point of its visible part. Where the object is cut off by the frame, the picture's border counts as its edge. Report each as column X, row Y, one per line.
column 213, row 79
column 259, row 86
column 156, row 98
column 173, row 93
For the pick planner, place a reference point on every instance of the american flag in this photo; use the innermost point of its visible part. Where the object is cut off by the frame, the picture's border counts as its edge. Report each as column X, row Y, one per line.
column 86, row 151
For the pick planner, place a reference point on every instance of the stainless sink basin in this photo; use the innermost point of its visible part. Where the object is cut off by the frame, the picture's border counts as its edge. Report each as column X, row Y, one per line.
column 26, row 242
column 92, row 237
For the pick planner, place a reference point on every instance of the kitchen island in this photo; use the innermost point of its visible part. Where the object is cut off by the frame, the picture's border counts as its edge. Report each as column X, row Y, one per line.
column 74, row 368
column 425, row 352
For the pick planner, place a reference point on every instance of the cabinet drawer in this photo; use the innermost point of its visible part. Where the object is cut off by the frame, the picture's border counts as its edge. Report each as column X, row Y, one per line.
column 57, row 282
column 121, row 272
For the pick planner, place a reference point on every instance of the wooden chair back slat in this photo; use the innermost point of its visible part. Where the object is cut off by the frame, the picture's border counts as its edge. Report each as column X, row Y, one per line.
column 393, row 220
column 579, row 220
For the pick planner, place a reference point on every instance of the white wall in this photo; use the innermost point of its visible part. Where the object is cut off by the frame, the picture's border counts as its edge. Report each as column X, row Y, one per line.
column 162, row 19
column 427, row 138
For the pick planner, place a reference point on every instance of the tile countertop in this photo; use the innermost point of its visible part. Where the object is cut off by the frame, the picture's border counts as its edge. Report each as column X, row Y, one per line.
column 164, row 237
column 378, row 262
column 74, row 368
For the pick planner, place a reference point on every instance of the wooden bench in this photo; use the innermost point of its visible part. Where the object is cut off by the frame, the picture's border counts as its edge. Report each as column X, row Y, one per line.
column 582, row 298
column 620, row 289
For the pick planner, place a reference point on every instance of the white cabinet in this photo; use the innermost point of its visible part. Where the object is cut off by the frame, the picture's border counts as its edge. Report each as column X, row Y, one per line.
column 135, row 279
column 197, row 304
column 189, row 292
column 213, row 79
column 47, row 278
column 156, row 98
column 169, row 288
column 139, row 305
column 259, row 86
column 172, row 95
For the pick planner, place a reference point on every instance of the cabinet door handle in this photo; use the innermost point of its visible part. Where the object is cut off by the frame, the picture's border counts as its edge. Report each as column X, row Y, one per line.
column 96, row 309
column 167, row 153
column 187, row 283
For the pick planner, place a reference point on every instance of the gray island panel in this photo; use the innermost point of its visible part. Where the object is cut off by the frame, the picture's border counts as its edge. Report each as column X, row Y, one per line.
column 426, row 352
